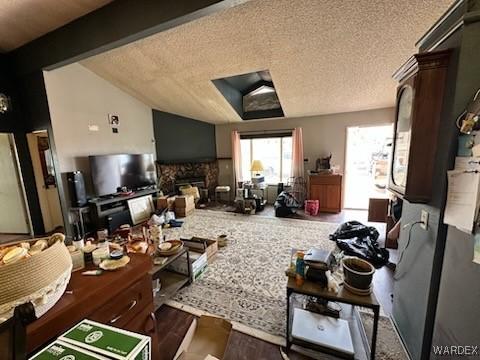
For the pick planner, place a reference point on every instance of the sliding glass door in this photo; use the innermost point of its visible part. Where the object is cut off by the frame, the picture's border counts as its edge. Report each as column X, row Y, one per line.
column 366, row 164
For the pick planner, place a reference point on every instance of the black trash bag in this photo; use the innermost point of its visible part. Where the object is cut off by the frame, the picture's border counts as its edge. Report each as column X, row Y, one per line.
column 285, row 204
column 356, row 239
column 286, row 199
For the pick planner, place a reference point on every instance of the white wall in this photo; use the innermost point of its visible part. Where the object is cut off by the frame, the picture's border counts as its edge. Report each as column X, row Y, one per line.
column 78, row 98
column 322, row 135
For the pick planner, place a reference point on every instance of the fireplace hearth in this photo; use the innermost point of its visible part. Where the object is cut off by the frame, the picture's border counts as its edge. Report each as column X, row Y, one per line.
column 200, row 174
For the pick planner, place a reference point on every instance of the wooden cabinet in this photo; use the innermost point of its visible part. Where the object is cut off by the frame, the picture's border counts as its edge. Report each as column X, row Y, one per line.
column 419, row 104
column 126, row 306
column 327, row 189
column 121, row 298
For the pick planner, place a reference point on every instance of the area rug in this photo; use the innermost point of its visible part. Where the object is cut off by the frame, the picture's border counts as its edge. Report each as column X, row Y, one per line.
column 247, row 284
column 389, row 346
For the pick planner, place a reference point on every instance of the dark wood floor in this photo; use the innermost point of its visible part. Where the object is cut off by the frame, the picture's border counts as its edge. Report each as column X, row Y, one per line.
column 173, row 324
column 8, row 238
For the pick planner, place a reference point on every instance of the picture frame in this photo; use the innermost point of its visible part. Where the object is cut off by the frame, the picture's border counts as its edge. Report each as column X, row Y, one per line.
column 141, row 209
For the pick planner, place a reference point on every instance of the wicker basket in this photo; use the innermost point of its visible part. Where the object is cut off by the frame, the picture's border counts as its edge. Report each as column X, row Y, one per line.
column 41, row 279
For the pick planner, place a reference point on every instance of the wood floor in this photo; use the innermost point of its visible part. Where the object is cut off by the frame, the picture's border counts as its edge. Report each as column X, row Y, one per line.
column 8, row 238
column 173, row 324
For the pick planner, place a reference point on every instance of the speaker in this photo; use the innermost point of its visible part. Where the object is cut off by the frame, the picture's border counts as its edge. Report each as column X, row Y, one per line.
column 76, row 187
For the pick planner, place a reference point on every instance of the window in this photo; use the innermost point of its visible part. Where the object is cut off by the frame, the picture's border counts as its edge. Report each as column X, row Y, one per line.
column 262, row 98
column 275, row 153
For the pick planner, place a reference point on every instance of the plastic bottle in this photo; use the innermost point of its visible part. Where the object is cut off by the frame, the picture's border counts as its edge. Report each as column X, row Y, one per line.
column 300, row 269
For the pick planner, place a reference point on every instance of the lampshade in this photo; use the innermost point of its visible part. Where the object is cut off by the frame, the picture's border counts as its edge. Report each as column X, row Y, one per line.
column 256, row 165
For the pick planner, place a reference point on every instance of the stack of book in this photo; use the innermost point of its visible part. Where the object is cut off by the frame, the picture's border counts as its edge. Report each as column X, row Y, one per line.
column 318, row 262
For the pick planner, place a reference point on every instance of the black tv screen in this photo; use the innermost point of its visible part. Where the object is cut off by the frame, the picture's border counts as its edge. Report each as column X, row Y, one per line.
column 110, row 172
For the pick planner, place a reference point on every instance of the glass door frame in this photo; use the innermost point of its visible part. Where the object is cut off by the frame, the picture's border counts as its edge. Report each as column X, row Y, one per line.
column 20, row 182
column 345, row 171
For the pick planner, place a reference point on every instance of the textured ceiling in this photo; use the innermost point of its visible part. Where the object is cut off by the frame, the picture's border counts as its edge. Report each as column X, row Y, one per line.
column 22, row 21
column 325, row 56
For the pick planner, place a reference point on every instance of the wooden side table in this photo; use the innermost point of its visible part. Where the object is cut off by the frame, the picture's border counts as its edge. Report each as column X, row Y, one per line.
column 171, row 281
column 360, row 342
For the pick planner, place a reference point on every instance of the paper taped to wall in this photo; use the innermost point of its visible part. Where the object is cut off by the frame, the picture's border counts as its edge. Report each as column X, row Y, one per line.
column 462, row 199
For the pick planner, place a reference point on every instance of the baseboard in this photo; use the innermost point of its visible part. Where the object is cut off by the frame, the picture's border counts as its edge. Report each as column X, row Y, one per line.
column 395, row 328
column 247, row 330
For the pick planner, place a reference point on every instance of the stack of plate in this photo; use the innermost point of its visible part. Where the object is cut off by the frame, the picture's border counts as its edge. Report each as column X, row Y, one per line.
column 170, row 247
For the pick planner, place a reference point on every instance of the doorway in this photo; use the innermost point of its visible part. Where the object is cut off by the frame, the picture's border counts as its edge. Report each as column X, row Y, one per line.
column 14, row 215
column 366, row 164
column 45, row 181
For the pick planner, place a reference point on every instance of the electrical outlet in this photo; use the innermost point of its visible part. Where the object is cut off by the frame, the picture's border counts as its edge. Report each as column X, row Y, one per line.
column 424, row 220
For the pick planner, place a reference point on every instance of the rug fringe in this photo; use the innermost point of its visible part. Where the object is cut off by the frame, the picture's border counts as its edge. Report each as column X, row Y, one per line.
column 259, row 334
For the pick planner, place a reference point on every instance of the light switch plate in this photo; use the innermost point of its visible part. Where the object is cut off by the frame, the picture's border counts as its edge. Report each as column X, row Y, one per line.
column 424, row 220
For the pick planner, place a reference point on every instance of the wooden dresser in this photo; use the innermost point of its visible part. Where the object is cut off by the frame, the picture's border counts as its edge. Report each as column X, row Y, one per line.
column 327, row 189
column 121, row 298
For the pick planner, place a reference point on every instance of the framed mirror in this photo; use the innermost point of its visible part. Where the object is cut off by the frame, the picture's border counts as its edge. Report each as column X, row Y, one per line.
column 403, row 130
column 46, row 160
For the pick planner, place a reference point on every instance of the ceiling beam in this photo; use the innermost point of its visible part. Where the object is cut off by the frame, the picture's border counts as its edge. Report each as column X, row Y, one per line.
column 116, row 24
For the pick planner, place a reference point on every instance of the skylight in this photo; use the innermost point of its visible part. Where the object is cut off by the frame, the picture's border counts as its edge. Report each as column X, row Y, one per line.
column 261, row 99
column 262, row 90
column 252, row 95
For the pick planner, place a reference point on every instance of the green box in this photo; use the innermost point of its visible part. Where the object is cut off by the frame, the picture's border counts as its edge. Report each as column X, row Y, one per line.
column 59, row 350
column 108, row 341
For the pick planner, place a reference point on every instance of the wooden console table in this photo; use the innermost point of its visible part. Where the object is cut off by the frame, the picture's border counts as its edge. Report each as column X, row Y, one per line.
column 121, row 298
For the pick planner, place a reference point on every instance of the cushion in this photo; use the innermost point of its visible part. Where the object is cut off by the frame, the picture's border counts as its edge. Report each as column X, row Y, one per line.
column 193, row 190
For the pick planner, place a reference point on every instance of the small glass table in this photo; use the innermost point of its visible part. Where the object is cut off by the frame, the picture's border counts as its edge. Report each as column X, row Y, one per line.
column 351, row 301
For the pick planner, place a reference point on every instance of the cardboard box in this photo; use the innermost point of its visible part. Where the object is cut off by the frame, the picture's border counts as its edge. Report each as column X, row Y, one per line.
column 185, row 201
column 183, row 212
column 59, row 350
column 207, row 338
column 166, row 202
column 108, row 341
column 203, row 245
column 198, row 262
column 184, row 205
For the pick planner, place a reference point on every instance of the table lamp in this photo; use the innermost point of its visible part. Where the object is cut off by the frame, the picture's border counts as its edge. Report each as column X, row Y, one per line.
column 257, row 167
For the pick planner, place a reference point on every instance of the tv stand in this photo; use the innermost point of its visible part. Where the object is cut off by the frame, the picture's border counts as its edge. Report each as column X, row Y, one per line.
column 104, row 207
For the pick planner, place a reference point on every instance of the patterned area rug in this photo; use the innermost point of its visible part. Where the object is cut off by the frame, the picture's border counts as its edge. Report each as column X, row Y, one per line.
column 246, row 283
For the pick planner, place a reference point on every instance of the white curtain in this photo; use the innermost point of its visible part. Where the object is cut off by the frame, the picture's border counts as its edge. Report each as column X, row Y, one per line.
column 298, row 170
column 236, row 157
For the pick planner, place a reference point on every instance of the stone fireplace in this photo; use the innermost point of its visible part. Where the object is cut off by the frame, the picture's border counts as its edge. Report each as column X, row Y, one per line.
column 170, row 175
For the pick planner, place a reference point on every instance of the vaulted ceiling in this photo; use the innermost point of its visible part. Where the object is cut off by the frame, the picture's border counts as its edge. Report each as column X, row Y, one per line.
column 22, row 21
column 324, row 56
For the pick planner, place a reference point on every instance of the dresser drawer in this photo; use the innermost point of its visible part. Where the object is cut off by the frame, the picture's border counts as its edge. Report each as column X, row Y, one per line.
column 145, row 323
column 123, row 308
column 325, row 179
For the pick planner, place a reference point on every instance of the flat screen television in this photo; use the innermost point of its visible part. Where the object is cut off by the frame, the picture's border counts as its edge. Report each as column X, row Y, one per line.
column 111, row 172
